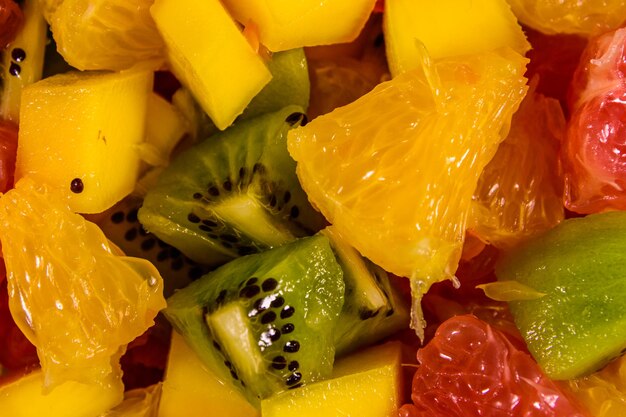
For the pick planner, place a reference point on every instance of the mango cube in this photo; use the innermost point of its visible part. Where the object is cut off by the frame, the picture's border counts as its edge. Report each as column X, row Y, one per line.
column 210, row 55
column 447, row 28
column 24, row 398
column 80, row 132
column 191, row 390
column 366, row 384
column 288, row 24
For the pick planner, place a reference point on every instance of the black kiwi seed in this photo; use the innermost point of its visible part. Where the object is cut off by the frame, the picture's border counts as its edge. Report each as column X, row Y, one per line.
column 249, row 291
column 252, row 281
column 293, row 379
column 293, row 366
column 277, row 302
column 268, row 317
column 197, row 196
column 286, row 197
column 193, row 218
column 295, row 386
column 296, row 117
column 279, row 362
column 287, row 328
column 205, row 228
column 292, row 346
column 209, row 223
column 274, row 334
column 217, row 346
column 131, row 217
column 131, row 234
column 214, row 191
column 269, row 284
column 234, row 374
column 77, row 186
column 258, row 168
column 287, row 312
column 229, row 238
column 242, row 173
column 148, row 244
column 294, row 212
column 117, row 217
column 365, row 313
column 227, row 185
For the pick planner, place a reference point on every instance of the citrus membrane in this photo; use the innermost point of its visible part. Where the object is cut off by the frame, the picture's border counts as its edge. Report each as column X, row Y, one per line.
column 72, row 294
column 395, row 170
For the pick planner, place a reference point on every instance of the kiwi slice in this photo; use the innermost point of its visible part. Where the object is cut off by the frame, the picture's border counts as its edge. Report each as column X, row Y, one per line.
column 372, row 309
column 265, row 322
column 577, row 321
column 233, row 194
column 121, row 226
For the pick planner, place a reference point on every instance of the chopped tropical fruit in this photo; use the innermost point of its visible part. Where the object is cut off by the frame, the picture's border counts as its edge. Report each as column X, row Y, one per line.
column 105, row 34
column 190, row 389
column 366, row 384
column 22, row 64
column 285, row 24
column 138, row 402
column 585, row 18
column 208, row 53
column 520, row 192
column 395, row 171
column 579, row 324
column 75, row 298
column 24, row 397
column 484, row 25
column 80, row 134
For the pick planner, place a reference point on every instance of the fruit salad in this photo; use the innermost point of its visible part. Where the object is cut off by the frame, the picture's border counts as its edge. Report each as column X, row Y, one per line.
column 263, row 208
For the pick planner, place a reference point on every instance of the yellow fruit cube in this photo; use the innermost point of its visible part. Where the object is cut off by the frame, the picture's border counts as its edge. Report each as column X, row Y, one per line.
column 191, row 390
column 367, row 384
column 209, row 54
column 447, row 28
column 80, row 132
column 285, row 24
column 24, row 398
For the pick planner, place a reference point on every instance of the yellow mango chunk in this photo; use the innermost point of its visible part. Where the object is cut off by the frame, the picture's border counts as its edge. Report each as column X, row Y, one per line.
column 191, row 390
column 285, row 24
column 24, row 398
column 79, row 133
column 447, row 28
column 209, row 55
column 366, row 384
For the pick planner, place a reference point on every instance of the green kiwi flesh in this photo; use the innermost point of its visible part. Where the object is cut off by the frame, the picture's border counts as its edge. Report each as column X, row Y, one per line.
column 578, row 322
column 265, row 322
column 233, row 194
column 121, row 226
column 372, row 309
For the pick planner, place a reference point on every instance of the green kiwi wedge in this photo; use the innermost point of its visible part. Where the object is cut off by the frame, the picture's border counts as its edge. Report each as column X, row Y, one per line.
column 233, row 194
column 576, row 323
column 265, row 322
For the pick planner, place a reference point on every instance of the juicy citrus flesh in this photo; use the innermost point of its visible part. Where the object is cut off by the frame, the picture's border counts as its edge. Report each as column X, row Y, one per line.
column 395, row 170
column 71, row 293
column 519, row 193
column 586, row 18
column 105, row 34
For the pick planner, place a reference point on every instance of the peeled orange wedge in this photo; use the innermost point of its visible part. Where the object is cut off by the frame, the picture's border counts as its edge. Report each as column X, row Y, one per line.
column 395, row 170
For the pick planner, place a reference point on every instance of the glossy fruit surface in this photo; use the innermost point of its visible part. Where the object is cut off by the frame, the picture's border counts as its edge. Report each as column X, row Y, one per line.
column 594, row 151
column 570, row 16
column 392, row 170
column 470, row 369
column 519, row 193
column 71, row 293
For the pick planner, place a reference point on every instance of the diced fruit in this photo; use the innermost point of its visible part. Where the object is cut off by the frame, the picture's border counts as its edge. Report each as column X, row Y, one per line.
column 232, row 194
column 140, row 402
column 570, row 16
column 593, row 149
column 265, row 322
column 190, row 389
column 520, row 191
column 165, row 127
column 286, row 25
column 25, row 398
column 70, row 293
column 366, row 384
column 105, row 34
column 209, row 54
column 484, row 25
column 579, row 325
column 22, row 64
column 391, row 170
column 79, row 133
column 11, row 20
column 470, row 369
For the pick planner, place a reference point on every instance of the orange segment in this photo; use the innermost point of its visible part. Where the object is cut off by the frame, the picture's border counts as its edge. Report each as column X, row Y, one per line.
column 71, row 293
column 395, row 170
